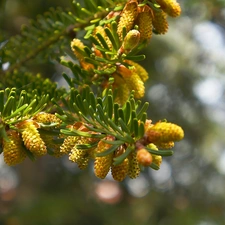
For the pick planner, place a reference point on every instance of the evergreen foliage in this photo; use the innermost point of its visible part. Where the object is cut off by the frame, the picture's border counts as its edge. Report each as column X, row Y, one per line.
column 100, row 116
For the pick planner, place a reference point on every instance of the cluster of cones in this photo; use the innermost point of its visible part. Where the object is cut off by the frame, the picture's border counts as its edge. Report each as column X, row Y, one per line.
column 32, row 138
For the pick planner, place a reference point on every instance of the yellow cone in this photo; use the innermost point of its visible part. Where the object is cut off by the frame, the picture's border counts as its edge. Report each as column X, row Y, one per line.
column 159, row 22
column 31, row 137
column 12, row 150
column 171, row 7
column 163, row 132
column 127, row 17
column 103, row 163
column 119, row 172
column 134, row 169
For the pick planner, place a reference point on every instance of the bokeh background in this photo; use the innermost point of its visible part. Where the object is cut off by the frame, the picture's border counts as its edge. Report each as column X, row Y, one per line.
column 186, row 86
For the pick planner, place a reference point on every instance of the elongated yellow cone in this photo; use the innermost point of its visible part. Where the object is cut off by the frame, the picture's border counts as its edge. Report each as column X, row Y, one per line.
column 13, row 149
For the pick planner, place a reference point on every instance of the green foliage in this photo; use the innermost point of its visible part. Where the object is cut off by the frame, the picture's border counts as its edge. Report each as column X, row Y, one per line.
column 32, row 84
column 98, row 117
column 46, row 37
column 104, row 116
column 49, row 36
column 18, row 106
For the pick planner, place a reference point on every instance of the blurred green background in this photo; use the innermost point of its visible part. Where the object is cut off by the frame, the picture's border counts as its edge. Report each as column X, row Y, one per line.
column 186, row 86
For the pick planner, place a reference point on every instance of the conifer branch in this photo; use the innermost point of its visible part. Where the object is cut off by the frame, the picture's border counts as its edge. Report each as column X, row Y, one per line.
column 50, row 34
column 99, row 118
